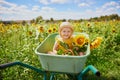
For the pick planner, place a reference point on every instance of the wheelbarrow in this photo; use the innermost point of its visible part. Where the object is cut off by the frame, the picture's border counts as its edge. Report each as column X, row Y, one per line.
column 72, row 66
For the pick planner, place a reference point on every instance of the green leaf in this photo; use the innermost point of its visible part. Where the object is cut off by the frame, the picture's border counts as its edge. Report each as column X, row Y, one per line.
column 60, row 52
column 65, row 45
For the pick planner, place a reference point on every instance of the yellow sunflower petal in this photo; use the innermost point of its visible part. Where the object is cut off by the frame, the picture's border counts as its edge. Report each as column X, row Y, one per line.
column 80, row 40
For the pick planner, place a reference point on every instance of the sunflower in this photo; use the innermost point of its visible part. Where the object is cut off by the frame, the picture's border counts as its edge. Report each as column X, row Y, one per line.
column 80, row 40
column 96, row 43
column 41, row 29
column 2, row 30
column 54, row 29
column 113, row 31
column 88, row 24
column 30, row 33
column 50, row 30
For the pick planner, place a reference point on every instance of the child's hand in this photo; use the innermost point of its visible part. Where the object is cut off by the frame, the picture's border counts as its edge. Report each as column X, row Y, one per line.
column 50, row 52
column 81, row 53
column 69, row 51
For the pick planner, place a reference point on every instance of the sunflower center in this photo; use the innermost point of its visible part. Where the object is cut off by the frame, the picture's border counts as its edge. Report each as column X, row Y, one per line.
column 80, row 40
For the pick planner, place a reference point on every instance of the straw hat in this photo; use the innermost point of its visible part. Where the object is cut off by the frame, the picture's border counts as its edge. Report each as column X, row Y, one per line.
column 65, row 25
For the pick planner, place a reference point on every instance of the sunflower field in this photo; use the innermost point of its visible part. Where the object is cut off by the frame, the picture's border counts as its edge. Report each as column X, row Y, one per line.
column 18, row 43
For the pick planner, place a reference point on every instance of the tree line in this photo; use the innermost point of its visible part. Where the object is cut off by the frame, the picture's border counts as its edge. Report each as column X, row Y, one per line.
column 40, row 19
column 106, row 18
column 101, row 18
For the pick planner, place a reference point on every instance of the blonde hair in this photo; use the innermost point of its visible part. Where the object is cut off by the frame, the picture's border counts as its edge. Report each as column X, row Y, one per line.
column 64, row 25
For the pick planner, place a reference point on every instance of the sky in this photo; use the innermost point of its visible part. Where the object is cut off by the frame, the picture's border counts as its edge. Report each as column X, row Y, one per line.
column 57, row 9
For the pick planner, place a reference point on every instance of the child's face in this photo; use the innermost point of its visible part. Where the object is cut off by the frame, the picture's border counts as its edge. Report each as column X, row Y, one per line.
column 66, row 33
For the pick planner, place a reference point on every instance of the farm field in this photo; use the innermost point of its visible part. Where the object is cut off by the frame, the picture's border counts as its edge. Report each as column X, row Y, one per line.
column 18, row 43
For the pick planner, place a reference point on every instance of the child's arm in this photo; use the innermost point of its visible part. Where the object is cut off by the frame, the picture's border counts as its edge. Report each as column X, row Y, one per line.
column 55, row 47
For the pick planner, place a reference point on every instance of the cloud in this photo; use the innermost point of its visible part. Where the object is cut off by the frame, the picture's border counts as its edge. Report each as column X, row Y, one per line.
column 46, row 2
column 10, row 8
column 106, row 9
column 23, row 12
column 111, row 4
column 35, row 8
column 22, row 9
column 109, row 7
column 48, row 9
column 11, row 11
column 3, row 2
column 118, row 7
column 83, row 5
column 59, row 1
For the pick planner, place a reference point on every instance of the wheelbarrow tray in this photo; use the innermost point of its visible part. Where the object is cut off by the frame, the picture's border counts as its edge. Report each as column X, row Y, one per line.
column 60, row 63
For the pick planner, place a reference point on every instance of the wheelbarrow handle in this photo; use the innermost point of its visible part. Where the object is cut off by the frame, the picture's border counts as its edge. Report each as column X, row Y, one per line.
column 94, row 70
column 87, row 69
column 3, row 66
